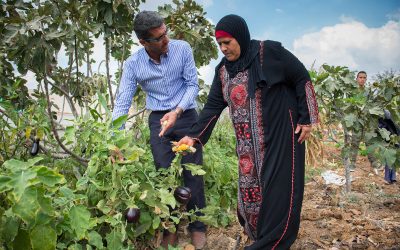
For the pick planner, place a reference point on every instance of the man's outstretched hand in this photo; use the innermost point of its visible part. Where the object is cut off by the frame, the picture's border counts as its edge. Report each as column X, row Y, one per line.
column 167, row 122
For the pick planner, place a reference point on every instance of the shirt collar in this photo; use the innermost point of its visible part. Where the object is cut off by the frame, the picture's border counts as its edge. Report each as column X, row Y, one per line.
column 146, row 55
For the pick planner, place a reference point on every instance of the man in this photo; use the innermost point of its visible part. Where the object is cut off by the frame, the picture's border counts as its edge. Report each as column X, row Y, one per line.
column 166, row 71
column 361, row 79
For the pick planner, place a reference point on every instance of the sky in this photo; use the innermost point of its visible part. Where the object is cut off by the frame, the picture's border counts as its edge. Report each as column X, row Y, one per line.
column 360, row 34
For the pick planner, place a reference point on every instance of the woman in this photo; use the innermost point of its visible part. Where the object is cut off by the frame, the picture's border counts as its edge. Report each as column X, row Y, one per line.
column 272, row 106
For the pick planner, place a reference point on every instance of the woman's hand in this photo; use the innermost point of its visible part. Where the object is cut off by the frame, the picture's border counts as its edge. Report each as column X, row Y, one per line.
column 305, row 132
column 186, row 140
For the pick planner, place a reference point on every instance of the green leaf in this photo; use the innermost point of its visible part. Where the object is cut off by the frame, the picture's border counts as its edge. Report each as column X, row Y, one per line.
column 370, row 135
column 22, row 241
column 385, row 134
column 43, row 218
column 108, row 16
column 28, row 206
column 79, row 219
column 9, row 229
column 156, row 222
column 55, row 34
column 376, row 111
column 96, row 115
column 67, row 193
column 75, row 246
column 43, row 237
column 167, row 197
column 103, row 102
column 195, row 169
column 117, row 123
column 145, row 223
column 20, row 181
column 95, row 240
column 69, row 134
column 5, row 183
column 81, row 184
column 16, row 165
column 114, row 240
column 49, row 177
column 102, row 206
column 44, row 201
column 350, row 119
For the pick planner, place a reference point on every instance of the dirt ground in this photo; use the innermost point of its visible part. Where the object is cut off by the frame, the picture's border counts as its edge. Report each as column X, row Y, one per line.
column 366, row 218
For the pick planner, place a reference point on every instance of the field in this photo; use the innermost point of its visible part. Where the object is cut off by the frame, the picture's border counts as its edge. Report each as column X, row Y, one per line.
column 367, row 218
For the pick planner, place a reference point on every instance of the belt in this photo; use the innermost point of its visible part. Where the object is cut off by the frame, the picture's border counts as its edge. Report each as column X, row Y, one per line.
column 168, row 110
column 161, row 111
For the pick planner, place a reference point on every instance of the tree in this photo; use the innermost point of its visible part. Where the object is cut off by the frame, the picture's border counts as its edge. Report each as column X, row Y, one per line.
column 355, row 111
column 34, row 33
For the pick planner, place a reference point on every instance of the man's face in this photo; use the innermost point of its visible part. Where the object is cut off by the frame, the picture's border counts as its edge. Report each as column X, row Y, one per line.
column 361, row 79
column 229, row 47
column 157, row 42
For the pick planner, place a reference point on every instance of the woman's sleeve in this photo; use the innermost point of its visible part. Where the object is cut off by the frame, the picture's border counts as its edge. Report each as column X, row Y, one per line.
column 297, row 75
column 202, row 129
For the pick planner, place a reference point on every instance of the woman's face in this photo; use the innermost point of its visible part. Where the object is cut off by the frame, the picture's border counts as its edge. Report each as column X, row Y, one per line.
column 229, row 47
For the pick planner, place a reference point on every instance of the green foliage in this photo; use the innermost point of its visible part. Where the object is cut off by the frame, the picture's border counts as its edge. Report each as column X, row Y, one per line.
column 55, row 201
column 187, row 22
column 221, row 165
column 85, row 206
column 18, row 127
column 357, row 110
column 28, row 191
column 90, row 205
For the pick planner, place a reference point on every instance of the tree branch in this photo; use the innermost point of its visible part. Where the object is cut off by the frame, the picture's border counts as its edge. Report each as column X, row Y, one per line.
column 137, row 113
column 107, row 40
column 66, row 94
column 59, row 88
column 53, row 128
column 121, row 66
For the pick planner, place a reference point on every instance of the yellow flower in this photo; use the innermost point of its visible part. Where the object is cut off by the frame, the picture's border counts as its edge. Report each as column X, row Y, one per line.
column 183, row 147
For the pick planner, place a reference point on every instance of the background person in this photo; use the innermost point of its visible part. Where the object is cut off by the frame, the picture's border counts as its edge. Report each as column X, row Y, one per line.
column 356, row 139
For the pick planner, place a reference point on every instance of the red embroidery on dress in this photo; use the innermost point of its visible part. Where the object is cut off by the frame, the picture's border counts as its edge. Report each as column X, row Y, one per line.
column 292, row 188
column 246, row 115
column 239, row 95
column 246, row 164
column 260, row 132
column 311, row 103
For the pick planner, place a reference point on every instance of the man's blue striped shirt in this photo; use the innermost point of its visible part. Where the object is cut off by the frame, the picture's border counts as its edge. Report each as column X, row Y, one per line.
column 171, row 83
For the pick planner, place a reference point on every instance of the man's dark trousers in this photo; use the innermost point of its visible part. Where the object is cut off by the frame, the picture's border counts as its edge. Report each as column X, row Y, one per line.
column 161, row 148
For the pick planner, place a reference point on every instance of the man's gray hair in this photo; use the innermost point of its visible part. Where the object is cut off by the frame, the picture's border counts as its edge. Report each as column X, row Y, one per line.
column 145, row 21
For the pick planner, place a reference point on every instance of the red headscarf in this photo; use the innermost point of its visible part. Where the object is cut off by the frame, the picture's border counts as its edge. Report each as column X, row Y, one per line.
column 220, row 33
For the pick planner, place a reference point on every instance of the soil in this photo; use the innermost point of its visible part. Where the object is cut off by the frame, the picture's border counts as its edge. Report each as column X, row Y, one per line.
column 366, row 218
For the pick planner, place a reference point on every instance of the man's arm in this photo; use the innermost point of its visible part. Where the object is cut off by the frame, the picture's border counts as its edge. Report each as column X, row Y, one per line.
column 127, row 90
column 190, row 77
